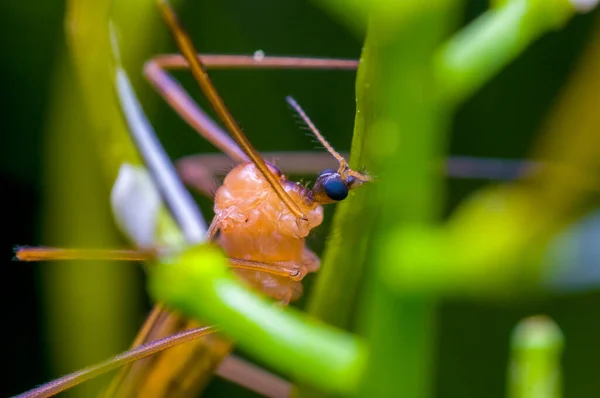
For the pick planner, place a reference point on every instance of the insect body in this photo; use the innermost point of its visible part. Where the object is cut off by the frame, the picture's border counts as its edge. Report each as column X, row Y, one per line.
column 265, row 242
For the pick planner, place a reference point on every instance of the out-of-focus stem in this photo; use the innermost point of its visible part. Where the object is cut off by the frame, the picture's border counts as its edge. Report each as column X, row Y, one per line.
column 406, row 122
column 534, row 367
column 479, row 51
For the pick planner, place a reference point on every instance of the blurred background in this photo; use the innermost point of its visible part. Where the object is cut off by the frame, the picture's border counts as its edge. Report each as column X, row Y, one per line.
column 61, row 317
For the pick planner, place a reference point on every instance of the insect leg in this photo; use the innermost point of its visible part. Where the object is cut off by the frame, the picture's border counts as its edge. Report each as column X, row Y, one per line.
column 273, row 269
column 256, row 61
column 252, row 377
column 157, row 325
column 30, row 253
column 155, row 71
column 198, row 70
column 41, row 253
column 71, row 380
column 191, row 112
column 200, row 172
column 459, row 167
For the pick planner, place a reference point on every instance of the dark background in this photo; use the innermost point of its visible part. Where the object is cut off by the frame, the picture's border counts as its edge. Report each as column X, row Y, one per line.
column 502, row 120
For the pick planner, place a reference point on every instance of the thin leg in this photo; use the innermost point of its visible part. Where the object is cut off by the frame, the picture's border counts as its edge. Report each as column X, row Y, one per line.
column 27, row 253
column 198, row 70
column 250, row 376
column 71, row 380
column 183, row 104
column 201, row 171
column 40, row 253
column 198, row 170
column 256, row 61
column 145, row 333
column 189, row 361
column 273, row 269
column 155, row 326
column 460, row 167
column 234, row 369
column 155, row 71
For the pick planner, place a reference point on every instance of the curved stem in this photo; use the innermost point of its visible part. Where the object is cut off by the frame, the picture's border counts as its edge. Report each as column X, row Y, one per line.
column 293, row 343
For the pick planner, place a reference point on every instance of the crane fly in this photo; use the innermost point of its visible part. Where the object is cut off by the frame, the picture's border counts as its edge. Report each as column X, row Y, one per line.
column 261, row 221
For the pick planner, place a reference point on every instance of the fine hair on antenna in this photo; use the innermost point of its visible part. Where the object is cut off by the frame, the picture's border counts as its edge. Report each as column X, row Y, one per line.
column 292, row 102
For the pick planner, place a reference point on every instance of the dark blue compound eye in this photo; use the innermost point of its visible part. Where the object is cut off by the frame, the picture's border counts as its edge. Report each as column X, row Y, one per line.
column 335, row 189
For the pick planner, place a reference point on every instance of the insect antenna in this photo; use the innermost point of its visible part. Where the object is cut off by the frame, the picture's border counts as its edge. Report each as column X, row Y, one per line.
column 198, row 71
column 343, row 169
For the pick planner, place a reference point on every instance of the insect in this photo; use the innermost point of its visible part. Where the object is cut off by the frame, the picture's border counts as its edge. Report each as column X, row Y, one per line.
column 261, row 220
column 244, row 231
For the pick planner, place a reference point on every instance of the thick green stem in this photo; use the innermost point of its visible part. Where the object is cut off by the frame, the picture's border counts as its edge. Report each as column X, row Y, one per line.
column 89, row 40
column 344, row 262
column 334, row 295
column 406, row 125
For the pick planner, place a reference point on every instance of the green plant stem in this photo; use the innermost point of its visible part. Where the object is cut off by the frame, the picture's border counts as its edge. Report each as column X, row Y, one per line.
column 294, row 344
column 344, row 261
column 534, row 367
column 334, row 295
column 479, row 51
column 88, row 36
column 82, row 322
column 406, row 125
